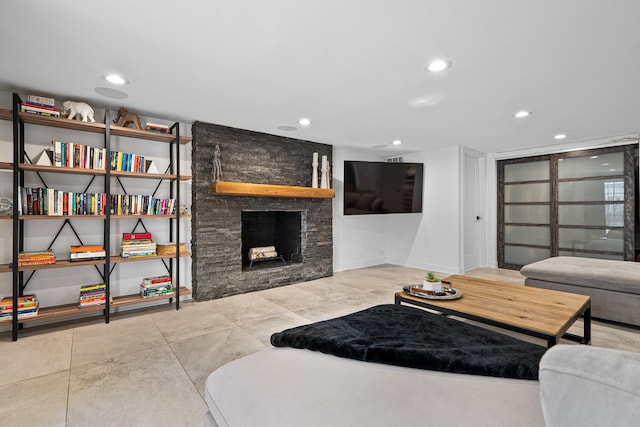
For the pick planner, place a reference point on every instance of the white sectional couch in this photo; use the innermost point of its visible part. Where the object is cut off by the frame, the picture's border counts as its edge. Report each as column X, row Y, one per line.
column 614, row 286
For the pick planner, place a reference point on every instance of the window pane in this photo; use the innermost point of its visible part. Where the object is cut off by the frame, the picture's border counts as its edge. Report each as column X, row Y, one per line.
column 522, row 256
column 532, row 214
column 611, row 215
column 600, row 165
column 526, row 193
column 540, row 236
column 531, row 171
column 595, row 240
column 585, row 255
column 591, row 191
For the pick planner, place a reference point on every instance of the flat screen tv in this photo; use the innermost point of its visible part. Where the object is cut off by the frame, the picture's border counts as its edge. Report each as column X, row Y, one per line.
column 382, row 187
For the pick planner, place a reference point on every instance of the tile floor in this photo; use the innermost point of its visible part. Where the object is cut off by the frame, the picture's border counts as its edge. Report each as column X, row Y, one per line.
column 148, row 367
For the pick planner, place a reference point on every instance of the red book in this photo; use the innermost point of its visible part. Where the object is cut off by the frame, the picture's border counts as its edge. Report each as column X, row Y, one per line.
column 135, row 236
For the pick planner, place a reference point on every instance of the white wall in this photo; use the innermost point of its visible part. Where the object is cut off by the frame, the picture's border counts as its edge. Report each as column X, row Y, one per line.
column 430, row 240
column 358, row 240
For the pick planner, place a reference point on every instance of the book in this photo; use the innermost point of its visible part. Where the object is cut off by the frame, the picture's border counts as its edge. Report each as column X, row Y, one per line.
column 27, row 108
column 40, row 100
column 156, row 279
column 135, row 236
column 87, row 256
column 154, row 127
column 85, row 248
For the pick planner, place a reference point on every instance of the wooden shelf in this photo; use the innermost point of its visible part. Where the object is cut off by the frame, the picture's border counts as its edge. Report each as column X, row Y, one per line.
column 223, row 188
column 73, row 309
column 6, row 165
column 25, row 217
column 61, row 122
column 85, row 171
column 119, row 259
column 144, row 134
column 65, row 263
column 149, row 175
column 6, row 114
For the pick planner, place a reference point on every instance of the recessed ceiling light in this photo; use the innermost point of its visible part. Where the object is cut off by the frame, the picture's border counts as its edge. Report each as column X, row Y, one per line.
column 396, row 142
column 612, row 170
column 438, row 65
column 521, row 114
column 115, row 79
column 593, row 157
column 304, row 122
column 560, row 136
column 605, row 164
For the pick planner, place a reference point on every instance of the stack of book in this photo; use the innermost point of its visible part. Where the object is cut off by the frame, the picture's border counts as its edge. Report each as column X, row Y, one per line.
column 27, row 306
column 92, row 295
column 71, row 155
column 40, row 105
column 49, row 201
column 31, row 258
column 154, row 127
column 156, row 286
column 133, row 204
column 128, row 162
column 86, row 252
column 137, row 245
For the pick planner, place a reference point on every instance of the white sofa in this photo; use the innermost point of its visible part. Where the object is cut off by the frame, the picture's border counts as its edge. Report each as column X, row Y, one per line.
column 579, row 386
column 614, row 286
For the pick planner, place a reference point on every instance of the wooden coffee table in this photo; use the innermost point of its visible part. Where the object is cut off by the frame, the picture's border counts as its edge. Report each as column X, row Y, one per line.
column 537, row 312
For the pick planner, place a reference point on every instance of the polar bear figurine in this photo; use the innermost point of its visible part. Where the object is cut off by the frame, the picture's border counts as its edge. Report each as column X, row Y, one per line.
column 81, row 109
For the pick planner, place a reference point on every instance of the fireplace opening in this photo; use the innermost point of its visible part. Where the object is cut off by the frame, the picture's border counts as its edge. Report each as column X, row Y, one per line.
column 275, row 234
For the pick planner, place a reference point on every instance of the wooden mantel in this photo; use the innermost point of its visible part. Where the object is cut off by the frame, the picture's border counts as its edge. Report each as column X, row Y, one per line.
column 266, row 190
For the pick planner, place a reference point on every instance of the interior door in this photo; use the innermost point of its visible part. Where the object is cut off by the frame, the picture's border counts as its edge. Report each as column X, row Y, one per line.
column 472, row 212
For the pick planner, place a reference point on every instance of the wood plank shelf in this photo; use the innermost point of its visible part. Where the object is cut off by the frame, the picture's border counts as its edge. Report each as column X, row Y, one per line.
column 73, row 309
column 223, row 188
column 62, row 122
column 86, row 171
column 6, row 114
column 65, row 263
column 6, row 166
column 9, row 217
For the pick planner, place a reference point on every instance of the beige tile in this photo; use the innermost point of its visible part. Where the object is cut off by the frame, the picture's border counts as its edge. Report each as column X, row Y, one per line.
column 329, row 291
column 329, row 310
column 292, row 297
column 247, row 306
column 262, row 329
column 34, row 355
column 146, row 388
column 197, row 318
column 35, row 402
column 203, row 354
column 121, row 336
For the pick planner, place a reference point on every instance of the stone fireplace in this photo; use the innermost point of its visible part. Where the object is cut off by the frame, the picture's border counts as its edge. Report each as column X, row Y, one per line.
column 225, row 227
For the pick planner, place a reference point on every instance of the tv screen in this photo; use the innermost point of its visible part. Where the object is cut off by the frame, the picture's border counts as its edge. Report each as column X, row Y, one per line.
column 382, row 187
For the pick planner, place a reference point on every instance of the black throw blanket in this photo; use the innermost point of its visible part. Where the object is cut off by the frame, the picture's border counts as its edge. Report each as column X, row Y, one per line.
column 407, row 336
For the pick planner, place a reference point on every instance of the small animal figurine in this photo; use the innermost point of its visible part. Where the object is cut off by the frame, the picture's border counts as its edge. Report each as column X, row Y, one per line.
column 80, row 109
column 127, row 118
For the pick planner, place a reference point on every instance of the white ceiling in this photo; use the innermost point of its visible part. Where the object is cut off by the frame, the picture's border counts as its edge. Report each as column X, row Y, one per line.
column 355, row 67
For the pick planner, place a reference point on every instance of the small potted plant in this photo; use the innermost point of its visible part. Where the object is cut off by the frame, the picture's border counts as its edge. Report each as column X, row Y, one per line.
column 432, row 283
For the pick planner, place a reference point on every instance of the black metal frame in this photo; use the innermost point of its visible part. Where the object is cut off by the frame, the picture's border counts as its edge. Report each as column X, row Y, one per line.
column 19, row 283
column 585, row 312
